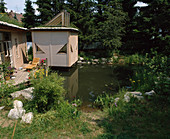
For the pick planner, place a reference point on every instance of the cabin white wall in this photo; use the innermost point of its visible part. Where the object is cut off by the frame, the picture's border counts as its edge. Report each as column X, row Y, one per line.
column 22, row 48
column 50, row 43
column 73, row 42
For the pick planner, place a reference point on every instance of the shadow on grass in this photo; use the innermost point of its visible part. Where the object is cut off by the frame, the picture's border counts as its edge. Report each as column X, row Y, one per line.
column 138, row 121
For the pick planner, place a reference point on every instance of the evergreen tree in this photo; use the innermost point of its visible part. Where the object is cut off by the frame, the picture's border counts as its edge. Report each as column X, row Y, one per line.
column 57, row 6
column 131, row 38
column 2, row 6
column 154, row 26
column 29, row 19
column 81, row 13
column 45, row 10
column 111, row 29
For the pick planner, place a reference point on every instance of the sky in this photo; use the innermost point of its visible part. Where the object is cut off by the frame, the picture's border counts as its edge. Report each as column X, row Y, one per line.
column 19, row 5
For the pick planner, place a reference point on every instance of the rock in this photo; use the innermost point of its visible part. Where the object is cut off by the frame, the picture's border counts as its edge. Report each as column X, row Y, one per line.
column 95, row 60
column 91, row 94
column 151, row 93
column 26, row 93
column 27, row 118
column 79, row 62
column 2, row 107
column 88, row 62
column 18, row 111
column 81, row 58
column 17, row 104
column 115, row 57
column 126, row 98
column 93, row 63
column 116, row 99
column 137, row 95
column 104, row 59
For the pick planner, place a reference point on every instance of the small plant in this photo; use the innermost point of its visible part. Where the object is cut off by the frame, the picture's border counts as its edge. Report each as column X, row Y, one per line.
column 103, row 101
column 48, row 93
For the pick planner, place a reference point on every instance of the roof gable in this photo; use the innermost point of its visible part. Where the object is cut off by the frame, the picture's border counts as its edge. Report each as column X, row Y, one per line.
column 61, row 19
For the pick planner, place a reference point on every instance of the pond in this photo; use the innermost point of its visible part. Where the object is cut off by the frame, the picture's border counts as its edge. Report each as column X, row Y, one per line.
column 86, row 82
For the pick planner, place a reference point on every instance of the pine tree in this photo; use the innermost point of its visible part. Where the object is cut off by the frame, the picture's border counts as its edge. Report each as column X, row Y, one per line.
column 57, row 6
column 111, row 28
column 2, row 6
column 45, row 10
column 154, row 26
column 29, row 19
column 81, row 13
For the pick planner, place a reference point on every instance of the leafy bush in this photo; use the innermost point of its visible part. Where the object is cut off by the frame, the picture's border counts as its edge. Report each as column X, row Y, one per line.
column 134, row 59
column 48, row 93
column 153, row 75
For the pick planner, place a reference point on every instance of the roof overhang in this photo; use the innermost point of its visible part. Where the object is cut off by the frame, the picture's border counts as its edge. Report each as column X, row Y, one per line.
column 8, row 26
column 54, row 29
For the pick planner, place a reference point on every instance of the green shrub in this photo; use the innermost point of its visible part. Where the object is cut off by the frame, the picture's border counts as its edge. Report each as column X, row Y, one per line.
column 48, row 93
column 153, row 75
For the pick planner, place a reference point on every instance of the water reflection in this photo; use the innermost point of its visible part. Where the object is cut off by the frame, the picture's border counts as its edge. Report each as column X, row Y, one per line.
column 88, row 81
column 71, row 84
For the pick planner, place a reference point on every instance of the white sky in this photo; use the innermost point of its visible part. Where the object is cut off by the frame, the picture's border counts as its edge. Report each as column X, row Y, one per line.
column 19, row 5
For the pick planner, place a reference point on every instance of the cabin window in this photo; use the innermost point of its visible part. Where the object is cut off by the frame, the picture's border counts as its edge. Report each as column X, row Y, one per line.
column 38, row 49
column 7, row 36
column 63, row 50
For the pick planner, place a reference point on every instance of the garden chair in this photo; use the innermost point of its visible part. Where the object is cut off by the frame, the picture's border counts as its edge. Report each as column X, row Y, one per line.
column 34, row 64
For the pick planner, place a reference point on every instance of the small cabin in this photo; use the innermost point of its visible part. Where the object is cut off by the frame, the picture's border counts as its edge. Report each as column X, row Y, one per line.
column 13, row 44
column 56, row 42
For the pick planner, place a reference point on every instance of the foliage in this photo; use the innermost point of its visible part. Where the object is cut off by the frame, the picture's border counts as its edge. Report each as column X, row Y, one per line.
column 6, row 89
column 134, row 59
column 48, row 92
column 154, row 75
column 104, row 101
column 2, row 6
column 4, row 17
column 57, row 6
column 111, row 29
column 44, row 7
column 153, row 26
column 6, row 69
column 29, row 19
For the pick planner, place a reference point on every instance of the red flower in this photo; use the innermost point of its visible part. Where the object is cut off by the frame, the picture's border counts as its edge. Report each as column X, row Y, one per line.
column 29, row 78
column 28, row 71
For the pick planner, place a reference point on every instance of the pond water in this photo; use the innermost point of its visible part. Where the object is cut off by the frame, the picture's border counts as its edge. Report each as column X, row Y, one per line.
column 86, row 82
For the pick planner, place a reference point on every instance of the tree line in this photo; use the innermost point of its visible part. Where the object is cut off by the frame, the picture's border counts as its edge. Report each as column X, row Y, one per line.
column 111, row 24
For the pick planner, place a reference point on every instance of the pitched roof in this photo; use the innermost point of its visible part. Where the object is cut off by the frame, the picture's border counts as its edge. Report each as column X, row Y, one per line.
column 61, row 19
